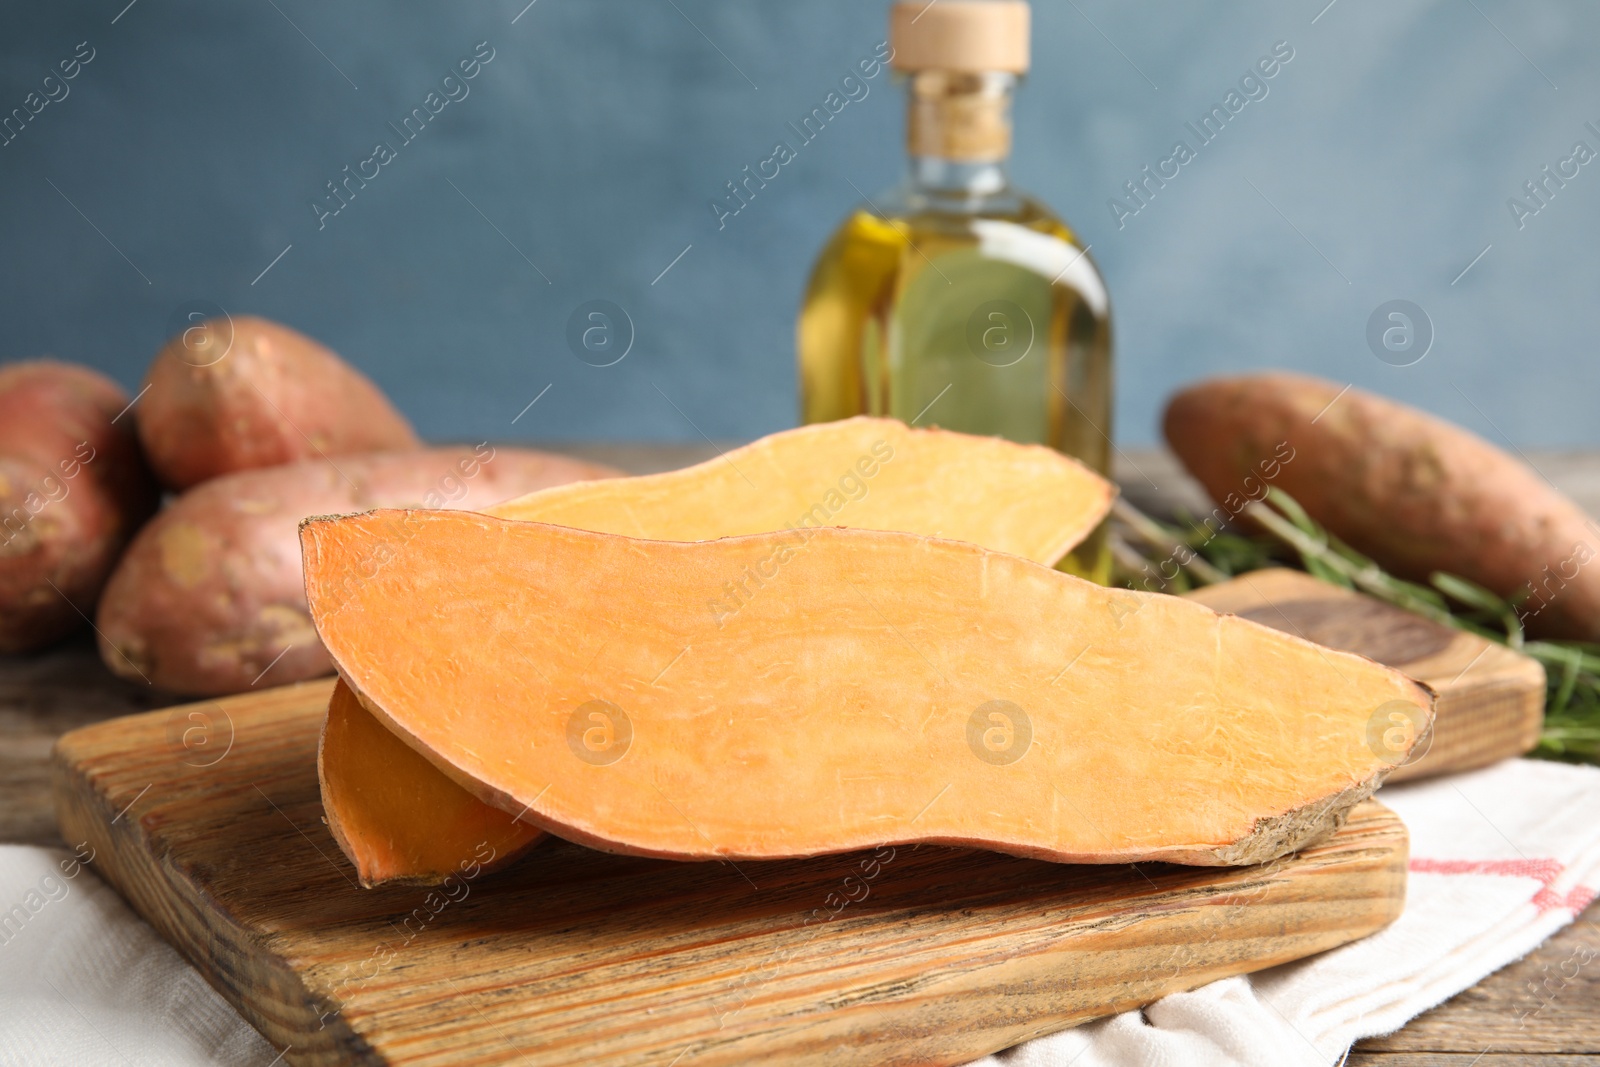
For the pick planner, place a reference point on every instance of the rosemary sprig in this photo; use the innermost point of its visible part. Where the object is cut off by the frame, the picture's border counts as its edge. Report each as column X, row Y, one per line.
column 1195, row 554
column 1179, row 550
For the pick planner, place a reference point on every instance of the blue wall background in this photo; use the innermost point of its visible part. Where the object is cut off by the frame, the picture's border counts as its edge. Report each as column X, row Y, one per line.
column 1377, row 167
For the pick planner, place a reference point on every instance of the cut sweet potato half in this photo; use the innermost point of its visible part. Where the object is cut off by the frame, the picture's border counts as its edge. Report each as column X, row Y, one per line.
column 875, row 688
column 377, row 778
column 865, row 472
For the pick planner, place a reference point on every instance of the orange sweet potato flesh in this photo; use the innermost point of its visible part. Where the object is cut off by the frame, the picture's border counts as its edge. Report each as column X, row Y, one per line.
column 866, row 472
column 1414, row 492
column 878, row 688
column 384, row 780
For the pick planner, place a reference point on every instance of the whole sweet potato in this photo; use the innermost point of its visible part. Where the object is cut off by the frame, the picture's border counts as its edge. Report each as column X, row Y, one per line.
column 73, row 489
column 210, row 594
column 236, row 393
column 1416, row 493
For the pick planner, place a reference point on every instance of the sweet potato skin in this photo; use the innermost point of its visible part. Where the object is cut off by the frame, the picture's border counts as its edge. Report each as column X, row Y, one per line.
column 1416, row 493
column 73, row 489
column 210, row 593
column 240, row 393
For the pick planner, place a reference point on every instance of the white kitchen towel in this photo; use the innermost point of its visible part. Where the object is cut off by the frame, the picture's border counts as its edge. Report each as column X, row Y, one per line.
column 1500, row 859
column 84, row 982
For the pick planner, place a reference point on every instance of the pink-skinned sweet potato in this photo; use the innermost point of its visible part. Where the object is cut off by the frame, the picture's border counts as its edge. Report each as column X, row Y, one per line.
column 73, row 489
column 210, row 594
column 1412, row 491
column 237, row 392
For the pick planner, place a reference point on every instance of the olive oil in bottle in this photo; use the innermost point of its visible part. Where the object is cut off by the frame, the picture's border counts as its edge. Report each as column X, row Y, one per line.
column 955, row 300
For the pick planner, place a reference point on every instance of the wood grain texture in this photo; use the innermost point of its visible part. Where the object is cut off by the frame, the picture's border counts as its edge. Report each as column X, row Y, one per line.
column 1491, row 699
column 910, row 955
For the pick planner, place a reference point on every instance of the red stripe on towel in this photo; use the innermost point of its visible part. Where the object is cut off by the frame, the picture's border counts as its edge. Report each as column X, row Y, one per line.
column 1543, row 871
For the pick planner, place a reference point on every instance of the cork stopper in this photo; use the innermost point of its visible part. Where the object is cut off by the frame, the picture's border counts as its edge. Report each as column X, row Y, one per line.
column 968, row 36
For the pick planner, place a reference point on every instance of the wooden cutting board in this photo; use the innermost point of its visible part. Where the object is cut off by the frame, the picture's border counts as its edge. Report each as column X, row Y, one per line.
column 207, row 819
column 1491, row 698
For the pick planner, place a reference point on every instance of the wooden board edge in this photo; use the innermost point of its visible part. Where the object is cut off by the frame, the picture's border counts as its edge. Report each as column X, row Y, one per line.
column 271, row 997
column 1515, row 728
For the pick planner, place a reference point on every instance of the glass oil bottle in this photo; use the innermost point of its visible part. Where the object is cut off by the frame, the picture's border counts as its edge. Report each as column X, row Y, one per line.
column 955, row 300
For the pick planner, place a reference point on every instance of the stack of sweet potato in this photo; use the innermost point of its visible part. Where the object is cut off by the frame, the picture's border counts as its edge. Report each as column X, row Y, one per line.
column 253, row 426
column 838, row 636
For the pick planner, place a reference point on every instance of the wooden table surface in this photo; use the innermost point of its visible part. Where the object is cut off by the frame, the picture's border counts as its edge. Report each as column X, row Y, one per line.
column 1544, row 1009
